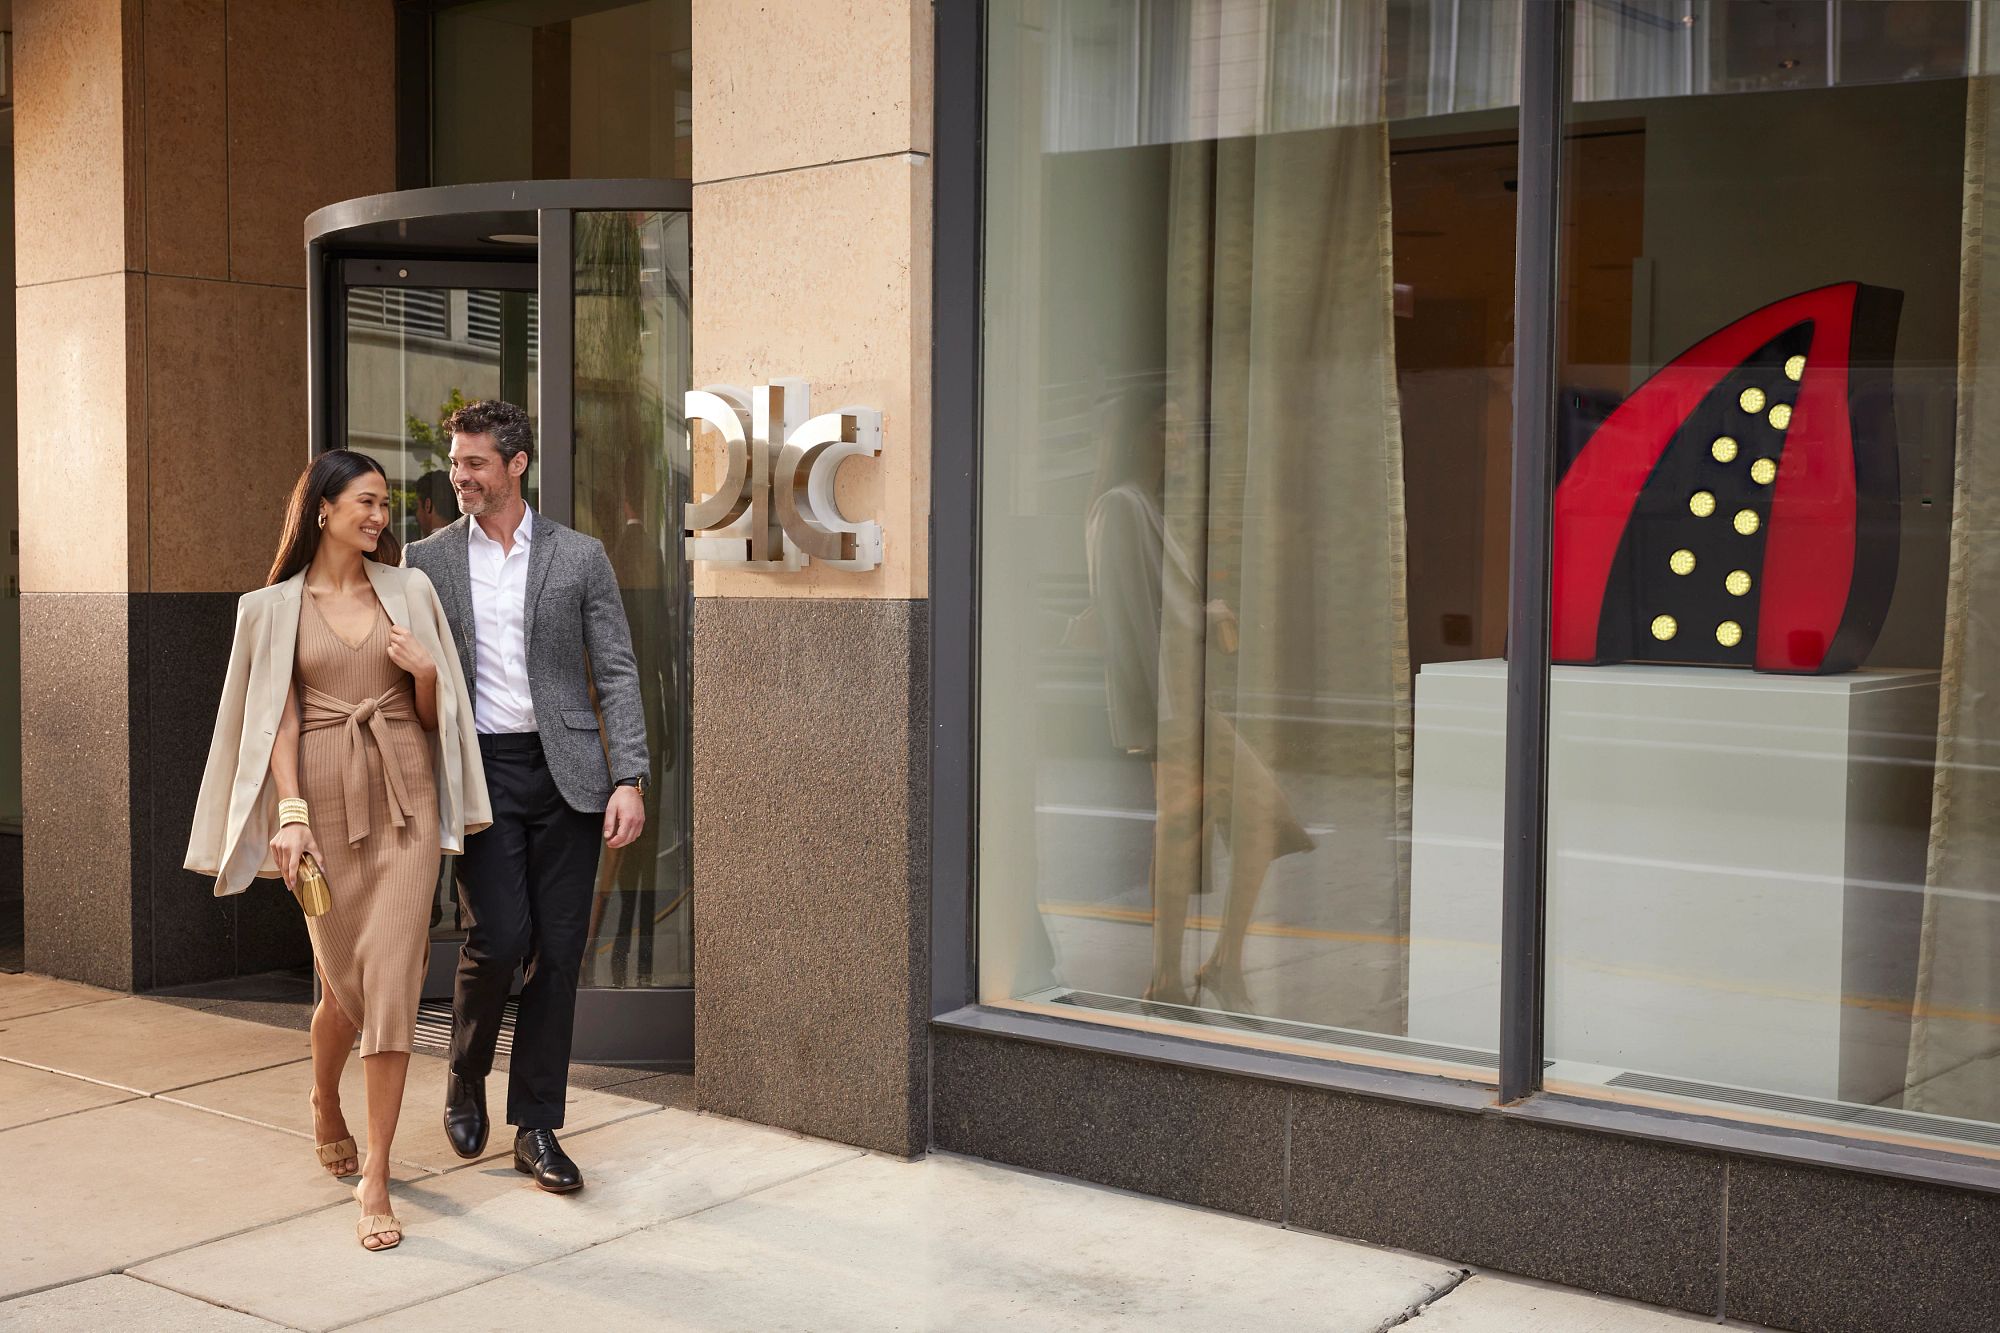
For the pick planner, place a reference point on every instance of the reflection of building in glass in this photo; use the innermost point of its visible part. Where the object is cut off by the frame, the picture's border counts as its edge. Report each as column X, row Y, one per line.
column 415, row 353
column 632, row 309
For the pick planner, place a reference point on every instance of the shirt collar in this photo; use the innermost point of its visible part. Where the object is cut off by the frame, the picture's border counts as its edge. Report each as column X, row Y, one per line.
column 525, row 534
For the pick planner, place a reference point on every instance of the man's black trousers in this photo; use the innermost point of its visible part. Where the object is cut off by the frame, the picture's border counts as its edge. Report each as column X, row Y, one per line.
column 526, row 885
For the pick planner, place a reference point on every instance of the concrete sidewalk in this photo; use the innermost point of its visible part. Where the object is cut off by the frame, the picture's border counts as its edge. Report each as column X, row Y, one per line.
column 160, row 1177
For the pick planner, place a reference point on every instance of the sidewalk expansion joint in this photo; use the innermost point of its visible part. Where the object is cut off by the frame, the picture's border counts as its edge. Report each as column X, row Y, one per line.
column 197, row 1296
column 224, row 1078
column 1416, row 1311
column 81, row 1078
column 675, row 1220
column 58, row 1008
column 125, row 1269
column 81, row 1110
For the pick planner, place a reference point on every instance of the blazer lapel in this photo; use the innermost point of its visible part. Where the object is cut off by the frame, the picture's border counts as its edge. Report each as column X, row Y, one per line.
column 391, row 591
column 541, row 551
column 282, row 643
column 457, row 590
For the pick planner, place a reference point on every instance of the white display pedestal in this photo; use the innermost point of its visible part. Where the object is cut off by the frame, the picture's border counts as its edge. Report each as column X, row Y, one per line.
column 1734, row 860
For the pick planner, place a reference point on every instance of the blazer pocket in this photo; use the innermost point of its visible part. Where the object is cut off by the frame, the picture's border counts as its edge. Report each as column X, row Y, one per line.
column 580, row 718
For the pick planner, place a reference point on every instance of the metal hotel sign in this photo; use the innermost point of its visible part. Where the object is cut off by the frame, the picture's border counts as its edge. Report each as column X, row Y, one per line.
column 775, row 507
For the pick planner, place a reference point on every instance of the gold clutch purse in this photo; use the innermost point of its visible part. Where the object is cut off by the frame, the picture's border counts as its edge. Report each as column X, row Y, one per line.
column 315, row 899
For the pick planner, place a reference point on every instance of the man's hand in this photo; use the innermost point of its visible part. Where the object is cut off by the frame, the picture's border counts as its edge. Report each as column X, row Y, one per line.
column 624, row 817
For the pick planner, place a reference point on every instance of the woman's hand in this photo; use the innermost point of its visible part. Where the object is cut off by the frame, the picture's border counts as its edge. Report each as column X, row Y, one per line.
column 292, row 842
column 411, row 656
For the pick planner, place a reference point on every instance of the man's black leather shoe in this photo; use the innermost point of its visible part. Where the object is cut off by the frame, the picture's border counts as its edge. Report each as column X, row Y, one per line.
column 537, row 1154
column 465, row 1122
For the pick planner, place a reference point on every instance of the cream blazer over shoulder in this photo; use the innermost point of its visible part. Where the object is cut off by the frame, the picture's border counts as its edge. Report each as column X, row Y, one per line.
column 237, row 812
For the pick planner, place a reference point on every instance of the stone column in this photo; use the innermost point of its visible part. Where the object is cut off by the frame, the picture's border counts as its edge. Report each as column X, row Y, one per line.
column 166, row 156
column 812, row 232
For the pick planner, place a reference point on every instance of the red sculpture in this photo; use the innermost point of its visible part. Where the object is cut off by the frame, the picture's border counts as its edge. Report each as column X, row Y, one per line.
column 1741, row 507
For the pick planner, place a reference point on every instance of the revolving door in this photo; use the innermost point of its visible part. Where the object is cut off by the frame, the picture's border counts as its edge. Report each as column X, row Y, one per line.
column 569, row 298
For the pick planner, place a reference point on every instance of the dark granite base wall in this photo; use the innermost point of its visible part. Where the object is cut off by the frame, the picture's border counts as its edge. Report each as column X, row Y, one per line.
column 811, row 865
column 197, row 936
column 1792, row 1247
column 11, row 906
column 1816, row 1249
column 1615, row 1215
column 118, row 698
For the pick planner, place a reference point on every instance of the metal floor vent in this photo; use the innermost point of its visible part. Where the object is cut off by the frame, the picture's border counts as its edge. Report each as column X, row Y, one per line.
column 1278, row 1027
column 434, row 1027
column 1876, row 1117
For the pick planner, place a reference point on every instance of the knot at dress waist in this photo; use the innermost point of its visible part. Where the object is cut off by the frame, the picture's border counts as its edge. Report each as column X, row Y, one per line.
column 364, row 721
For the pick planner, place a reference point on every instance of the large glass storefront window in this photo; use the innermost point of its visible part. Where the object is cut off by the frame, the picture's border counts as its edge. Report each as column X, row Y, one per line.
column 562, row 89
column 1245, row 469
column 1245, row 556
column 1772, row 716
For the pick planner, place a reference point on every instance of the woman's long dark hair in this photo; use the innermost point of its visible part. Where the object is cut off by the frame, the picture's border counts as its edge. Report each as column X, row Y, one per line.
column 329, row 476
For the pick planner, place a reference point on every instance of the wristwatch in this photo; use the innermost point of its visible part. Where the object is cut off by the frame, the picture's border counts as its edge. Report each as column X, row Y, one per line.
column 639, row 782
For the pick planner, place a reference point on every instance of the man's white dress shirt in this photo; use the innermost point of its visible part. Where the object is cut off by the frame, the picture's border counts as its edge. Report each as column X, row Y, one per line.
column 500, row 698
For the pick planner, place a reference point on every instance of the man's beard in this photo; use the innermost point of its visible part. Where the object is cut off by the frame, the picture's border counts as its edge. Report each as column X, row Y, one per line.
column 483, row 502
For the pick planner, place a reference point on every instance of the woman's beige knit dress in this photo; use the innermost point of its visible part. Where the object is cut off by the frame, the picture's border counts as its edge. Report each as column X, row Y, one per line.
column 365, row 772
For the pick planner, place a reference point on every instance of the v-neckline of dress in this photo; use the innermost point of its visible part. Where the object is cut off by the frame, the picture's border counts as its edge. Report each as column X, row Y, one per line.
column 340, row 638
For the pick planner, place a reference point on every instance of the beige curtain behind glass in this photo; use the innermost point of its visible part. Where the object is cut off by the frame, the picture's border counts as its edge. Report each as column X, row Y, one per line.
column 1288, row 673
column 1955, row 1039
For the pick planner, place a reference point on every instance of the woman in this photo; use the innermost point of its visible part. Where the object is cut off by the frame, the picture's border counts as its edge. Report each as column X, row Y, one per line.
column 345, row 734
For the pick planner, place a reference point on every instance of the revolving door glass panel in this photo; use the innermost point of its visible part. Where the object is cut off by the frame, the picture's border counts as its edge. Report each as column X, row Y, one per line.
column 414, row 354
column 629, row 482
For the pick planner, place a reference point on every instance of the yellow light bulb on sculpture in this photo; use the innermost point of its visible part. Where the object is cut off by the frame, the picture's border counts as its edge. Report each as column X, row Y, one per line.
column 1795, row 368
column 1681, row 561
column 1781, row 415
column 1746, row 521
column 1729, row 634
column 1752, row 399
column 1724, row 449
column 1763, row 471
column 1664, row 628
column 1738, row 582
column 1701, row 504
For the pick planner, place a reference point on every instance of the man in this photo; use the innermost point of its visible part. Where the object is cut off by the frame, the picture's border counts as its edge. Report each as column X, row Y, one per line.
column 435, row 506
column 536, row 612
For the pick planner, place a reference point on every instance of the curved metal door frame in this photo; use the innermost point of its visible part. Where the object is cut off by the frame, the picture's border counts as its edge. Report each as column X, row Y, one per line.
column 456, row 223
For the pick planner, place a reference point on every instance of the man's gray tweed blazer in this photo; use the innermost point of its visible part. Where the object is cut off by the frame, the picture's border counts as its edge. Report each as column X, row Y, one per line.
column 576, row 635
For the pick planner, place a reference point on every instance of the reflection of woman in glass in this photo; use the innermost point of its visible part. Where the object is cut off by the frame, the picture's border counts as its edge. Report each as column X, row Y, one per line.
column 1154, row 629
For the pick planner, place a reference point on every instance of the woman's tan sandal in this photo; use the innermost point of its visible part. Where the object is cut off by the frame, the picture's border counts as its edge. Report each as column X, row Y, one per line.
column 375, row 1225
column 331, row 1154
